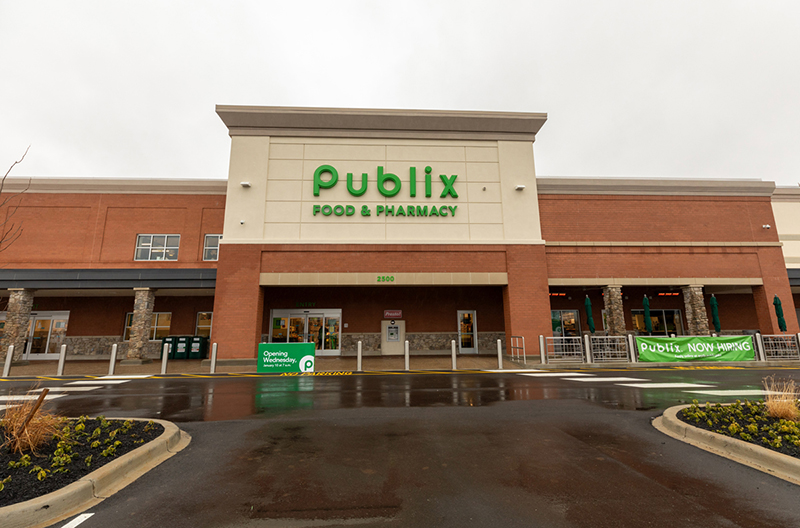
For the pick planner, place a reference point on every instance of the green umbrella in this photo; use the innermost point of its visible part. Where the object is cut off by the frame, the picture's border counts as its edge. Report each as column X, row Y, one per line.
column 648, row 324
column 588, row 305
column 715, row 313
column 779, row 312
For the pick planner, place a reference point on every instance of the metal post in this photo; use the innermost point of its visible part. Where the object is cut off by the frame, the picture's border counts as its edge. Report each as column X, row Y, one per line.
column 61, row 357
column 760, row 347
column 499, row 355
column 7, row 366
column 542, row 351
column 358, row 361
column 524, row 354
column 453, row 353
column 632, row 347
column 408, row 362
column 112, row 364
column 587, row 342
column 164, row 357
column 213, row 359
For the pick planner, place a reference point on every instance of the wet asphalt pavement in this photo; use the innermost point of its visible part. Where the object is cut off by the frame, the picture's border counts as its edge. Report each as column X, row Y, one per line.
column 434, row 449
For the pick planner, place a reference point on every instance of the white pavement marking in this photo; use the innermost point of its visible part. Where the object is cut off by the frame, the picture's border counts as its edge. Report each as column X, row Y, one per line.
column 605, row 379
column 66, row 389
column 77, row 520
column 515, row 370
column 664, row 385
column 127, row 376
column 556, row 374
column 98, row 382
column 735, row 392
column 30, row 397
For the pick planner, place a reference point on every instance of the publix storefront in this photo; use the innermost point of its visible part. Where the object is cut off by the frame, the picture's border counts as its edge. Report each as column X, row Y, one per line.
column 379, row 226
column 383, row 226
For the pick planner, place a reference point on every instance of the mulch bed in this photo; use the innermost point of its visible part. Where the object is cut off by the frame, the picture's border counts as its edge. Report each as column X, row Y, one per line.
column 25, row 483
column 748, row 421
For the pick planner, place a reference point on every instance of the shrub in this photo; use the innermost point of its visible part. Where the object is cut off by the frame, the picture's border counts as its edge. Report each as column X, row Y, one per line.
column 781, row 399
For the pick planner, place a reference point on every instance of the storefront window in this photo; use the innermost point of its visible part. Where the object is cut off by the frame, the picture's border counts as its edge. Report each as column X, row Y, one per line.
column 665, row 322
column 566, row 323
column 159, row 325
column 203, row 327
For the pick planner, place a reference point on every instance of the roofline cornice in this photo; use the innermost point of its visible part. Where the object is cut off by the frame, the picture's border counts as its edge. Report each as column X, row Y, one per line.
column 35, row 184
column 654, row 187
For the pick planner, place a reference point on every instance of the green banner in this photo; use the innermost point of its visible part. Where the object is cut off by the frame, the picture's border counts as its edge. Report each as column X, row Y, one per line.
column 285, row 357
column 698, row 348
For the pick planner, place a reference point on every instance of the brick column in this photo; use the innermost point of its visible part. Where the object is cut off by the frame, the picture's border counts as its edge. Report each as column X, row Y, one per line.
column 526, row 299
column 141, row 328
column 18, row 318
column 696, row 315
column 615, row 316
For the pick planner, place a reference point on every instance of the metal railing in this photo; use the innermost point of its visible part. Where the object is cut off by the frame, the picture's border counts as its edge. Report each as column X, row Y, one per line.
column 517, row 348
column 780, row 347
column 564, row 349
column 609, row 348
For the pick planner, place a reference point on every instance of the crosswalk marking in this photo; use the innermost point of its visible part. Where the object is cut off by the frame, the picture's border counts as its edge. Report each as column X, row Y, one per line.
column 514, row 371
column 99, row 382
column 605, row 379
column 664, row 385
column 555, row 374
column 19, row 397
column 127, row 376
column 66, row 389
column 734, row 392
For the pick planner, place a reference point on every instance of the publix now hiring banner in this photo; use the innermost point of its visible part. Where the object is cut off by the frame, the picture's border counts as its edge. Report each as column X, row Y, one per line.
column 285, row 357
column 698, row 348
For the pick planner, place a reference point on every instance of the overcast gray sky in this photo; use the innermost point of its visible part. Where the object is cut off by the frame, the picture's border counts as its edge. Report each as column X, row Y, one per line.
column 692, row 89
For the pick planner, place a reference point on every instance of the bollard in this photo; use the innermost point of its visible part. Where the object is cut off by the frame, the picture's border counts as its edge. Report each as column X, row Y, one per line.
column 542, row 351
column 164, row 356
column 7, row 366
column 112, row 364
column 760, row 347
column 499, row 355
column 587, row 343
column 358, row 361
column 408, row 362
column 213, row 358
column 61, row 357
column 453, row 353
column 632, row 347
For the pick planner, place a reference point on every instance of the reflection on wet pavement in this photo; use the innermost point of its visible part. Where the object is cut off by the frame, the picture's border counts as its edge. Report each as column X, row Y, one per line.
column 185, row 399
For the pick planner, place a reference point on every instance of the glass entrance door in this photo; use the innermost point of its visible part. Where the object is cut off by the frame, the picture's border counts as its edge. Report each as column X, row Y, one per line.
column 47, row 331
column 467, row 332
column 320, row 328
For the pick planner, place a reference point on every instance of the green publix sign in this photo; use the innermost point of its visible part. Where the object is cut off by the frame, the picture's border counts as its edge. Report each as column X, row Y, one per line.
column 389, row 185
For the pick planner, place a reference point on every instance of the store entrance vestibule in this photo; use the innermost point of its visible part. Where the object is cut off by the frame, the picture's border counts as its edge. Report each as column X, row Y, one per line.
column 467, row 332
column 47, row 331
column 321, row 327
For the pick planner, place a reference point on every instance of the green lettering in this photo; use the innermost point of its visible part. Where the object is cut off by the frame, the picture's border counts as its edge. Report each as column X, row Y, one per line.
column 422, row 210
column 378, row 210
column 319, row 184
column 448, row 185
column 410, row 210
column 382, row 182
column 349, row 210
column 316, row 210
column 428, row 182
column 433, row 211
column 452, row 209
column 443, row 210
column 389, row 210
column 353, row 190
column 412, row 182
column 400, row 211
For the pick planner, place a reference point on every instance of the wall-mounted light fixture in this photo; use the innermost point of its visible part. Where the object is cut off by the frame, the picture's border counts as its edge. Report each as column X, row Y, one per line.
column 519, row 188
column 245, row 184
column 766, row 226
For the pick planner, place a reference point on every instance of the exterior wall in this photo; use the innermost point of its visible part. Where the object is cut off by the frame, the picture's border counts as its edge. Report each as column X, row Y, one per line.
column 786, row 208
column 278, row 206
column 81, row 230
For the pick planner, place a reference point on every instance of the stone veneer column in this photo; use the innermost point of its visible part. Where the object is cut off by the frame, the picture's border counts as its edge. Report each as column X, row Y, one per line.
column 696, row 315
column 615, row 316
column 18, row 317
column 141, row 324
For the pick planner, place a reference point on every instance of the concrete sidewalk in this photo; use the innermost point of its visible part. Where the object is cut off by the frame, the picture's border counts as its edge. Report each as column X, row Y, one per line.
column 194, row 366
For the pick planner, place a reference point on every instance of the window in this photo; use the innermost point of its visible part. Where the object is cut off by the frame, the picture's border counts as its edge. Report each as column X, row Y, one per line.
column 664, row 322
column 203, row 327
column 211, row 247
column 566, row 323
column 159, row 325
column 157, row 247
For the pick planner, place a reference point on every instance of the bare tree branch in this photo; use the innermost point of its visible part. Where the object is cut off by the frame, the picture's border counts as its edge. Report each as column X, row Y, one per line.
column 10, row 232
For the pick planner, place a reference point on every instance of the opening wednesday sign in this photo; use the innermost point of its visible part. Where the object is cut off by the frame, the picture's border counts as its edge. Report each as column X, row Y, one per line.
column 285, row 357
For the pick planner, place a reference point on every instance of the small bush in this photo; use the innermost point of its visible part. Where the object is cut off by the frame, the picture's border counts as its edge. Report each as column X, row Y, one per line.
column 781, row 399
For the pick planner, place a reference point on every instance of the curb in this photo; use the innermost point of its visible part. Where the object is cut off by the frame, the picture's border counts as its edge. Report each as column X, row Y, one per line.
column 97, row 485
column 766, row 460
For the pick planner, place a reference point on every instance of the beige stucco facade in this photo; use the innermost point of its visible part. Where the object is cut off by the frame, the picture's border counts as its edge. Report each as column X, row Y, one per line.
column 786, row 208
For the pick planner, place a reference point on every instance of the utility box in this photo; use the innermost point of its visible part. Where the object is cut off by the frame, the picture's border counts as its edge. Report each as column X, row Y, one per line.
column 393, row 337
column 169, row 340
column 198, row 347
column 182, row 347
